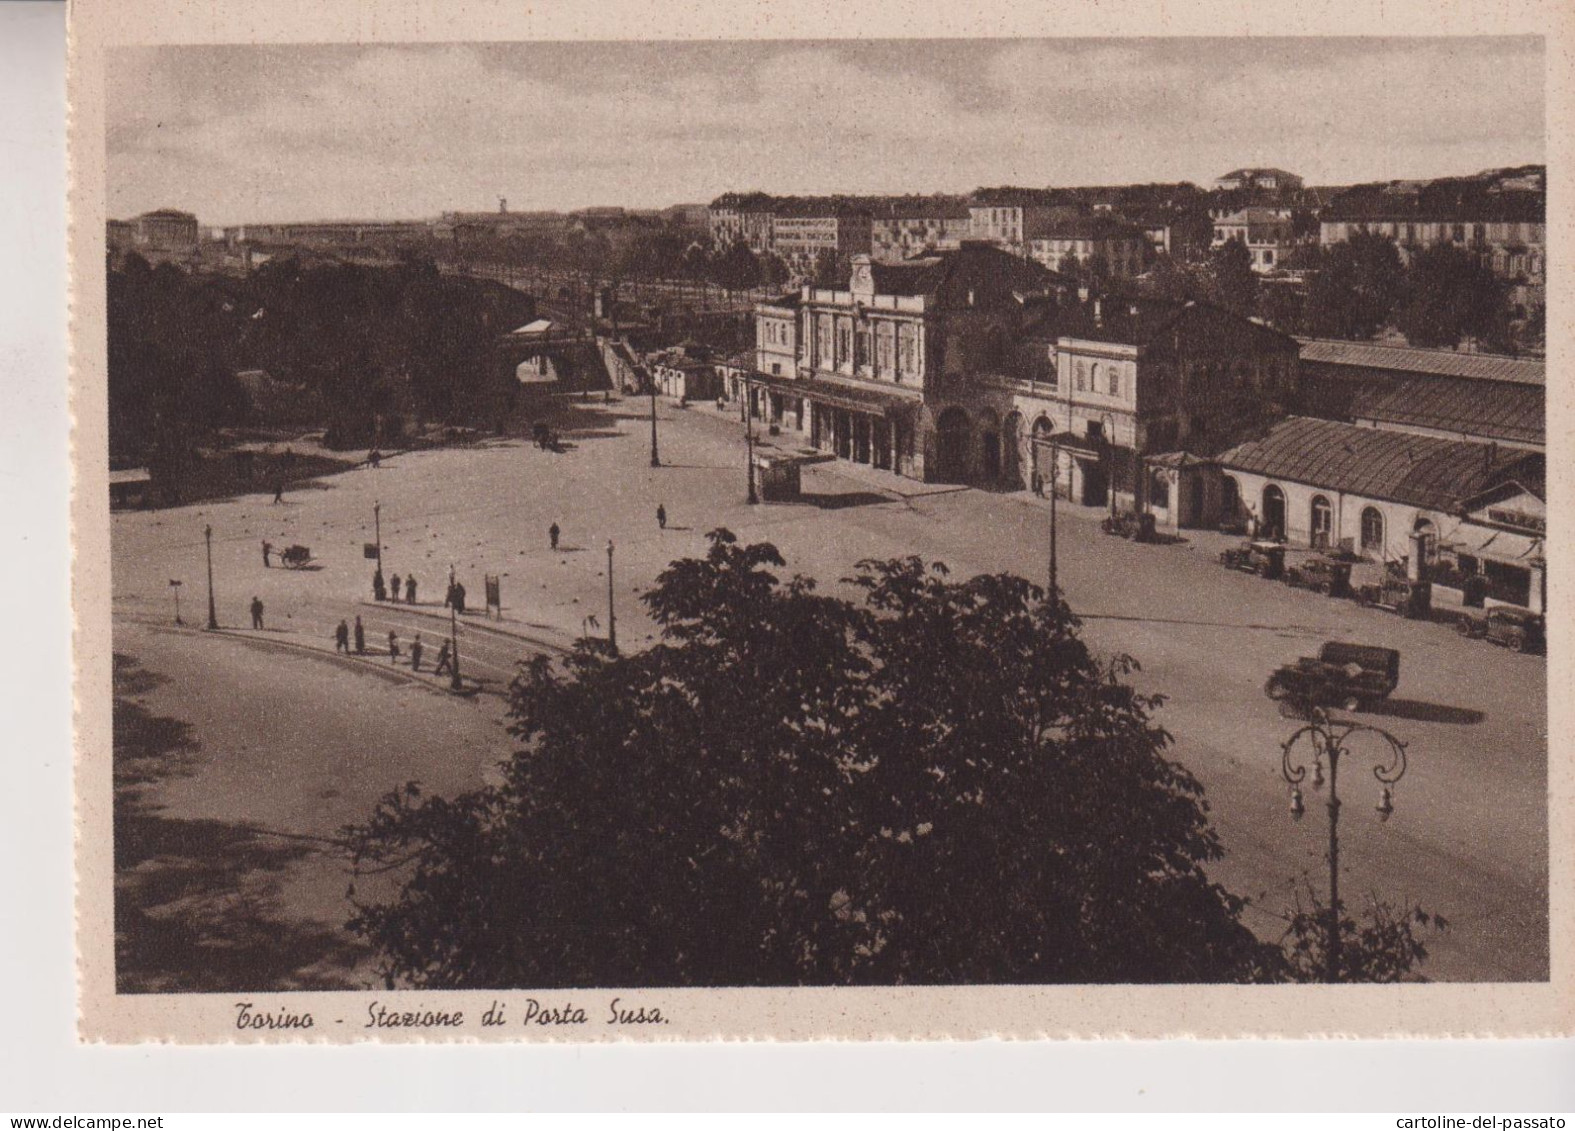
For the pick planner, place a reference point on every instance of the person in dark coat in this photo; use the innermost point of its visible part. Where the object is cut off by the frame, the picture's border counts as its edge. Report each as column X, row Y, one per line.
column 661, row 516
column 415, row 653
column 393, row 589
column 552, row 535
column 393, row 647
column 342, row 638
column 257, row 612
column 360, row 638
column 267, row 550
column 379, row 590
column 278, row 491
column 459, row 597
column 410, row 590
column 445, row 661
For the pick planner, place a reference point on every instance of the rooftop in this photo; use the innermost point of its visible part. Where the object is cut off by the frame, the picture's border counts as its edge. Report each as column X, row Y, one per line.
column 975, row 274
column 1399, row 466
column 1511, row 412
column 1443, row 363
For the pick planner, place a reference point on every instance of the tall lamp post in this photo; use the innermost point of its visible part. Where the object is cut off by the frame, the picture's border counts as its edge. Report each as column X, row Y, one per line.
column 1055, row 475
column 612, row 619
column 1327, row 737
column 453, row 644
column 213, row 616
column 377, row 524
column 749, row 444
column 656, row 460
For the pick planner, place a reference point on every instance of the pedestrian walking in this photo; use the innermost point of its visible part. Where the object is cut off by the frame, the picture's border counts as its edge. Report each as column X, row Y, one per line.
column 267, row 550
column 257, row 612
column 393, row 647
column 410, row 589
column 375, row 458
column 445, row 661
column 342, row 638
column 393, row 589
column 661, row 516
column 415, row 653
column 278, row 491
column 459, row 597
column 379, row 590
column 360, row 638
column 552, row 535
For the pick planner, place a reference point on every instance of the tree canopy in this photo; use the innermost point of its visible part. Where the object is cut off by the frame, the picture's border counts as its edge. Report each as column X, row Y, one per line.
column 939, row 783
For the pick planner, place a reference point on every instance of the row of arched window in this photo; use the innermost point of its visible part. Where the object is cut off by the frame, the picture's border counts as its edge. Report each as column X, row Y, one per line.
column 1321, row 521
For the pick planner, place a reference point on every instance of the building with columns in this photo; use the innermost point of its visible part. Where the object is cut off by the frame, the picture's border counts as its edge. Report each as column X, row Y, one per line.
column 887, row 368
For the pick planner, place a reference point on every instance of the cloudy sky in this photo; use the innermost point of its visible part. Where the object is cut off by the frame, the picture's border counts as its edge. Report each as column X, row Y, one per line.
column 288, row 133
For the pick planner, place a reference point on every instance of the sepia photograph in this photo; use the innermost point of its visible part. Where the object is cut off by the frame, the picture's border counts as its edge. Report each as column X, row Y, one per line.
column 591, row 520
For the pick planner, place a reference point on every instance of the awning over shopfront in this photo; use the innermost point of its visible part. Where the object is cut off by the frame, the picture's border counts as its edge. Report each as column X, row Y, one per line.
column 1491, row 544
column 853, row 398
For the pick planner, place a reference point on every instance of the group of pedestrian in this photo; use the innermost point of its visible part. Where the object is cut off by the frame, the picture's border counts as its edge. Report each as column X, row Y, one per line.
column 342, row 636
column 390, row 590
column 455, row 597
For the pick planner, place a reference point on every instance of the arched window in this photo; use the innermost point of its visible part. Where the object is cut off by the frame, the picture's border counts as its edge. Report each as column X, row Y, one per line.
column 1372, row 531
column 1081, row 375
column 1115, row 381
column 1093, row 377
column 1322, row 522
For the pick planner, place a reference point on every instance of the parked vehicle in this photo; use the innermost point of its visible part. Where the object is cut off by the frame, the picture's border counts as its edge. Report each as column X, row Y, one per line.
column 1266, row 559
column 295, row 557
column 1130, row 525
column 1413, row 599
column 1325, row 575
column 1351, row 676
column 1519, row 630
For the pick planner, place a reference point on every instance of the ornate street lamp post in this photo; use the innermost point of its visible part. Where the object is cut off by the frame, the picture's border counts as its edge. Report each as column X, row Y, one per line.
column 1327, row 738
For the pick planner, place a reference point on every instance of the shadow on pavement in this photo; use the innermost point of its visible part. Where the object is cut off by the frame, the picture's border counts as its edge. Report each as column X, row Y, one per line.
column 843, row 500
column 1420, row 712
column 197, row 904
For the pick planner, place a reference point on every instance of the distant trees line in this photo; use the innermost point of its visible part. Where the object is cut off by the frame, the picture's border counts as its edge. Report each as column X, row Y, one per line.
column 357, row 350
column 1353, row 290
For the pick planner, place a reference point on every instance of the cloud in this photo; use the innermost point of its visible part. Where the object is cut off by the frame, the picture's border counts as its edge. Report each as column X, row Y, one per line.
column 292, row 132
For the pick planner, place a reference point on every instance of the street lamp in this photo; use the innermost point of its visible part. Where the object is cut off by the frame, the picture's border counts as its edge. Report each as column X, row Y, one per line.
column 1055, row 474
column 377, row 522
column 749, row 444
column 655, row 459
column 453, row 643
column 612, row 619
column 213, row 616
column 175, row 589
column 1328, row 737
column 1107, row 427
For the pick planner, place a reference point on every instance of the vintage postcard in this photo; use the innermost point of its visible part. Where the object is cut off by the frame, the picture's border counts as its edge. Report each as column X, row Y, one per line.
column 746, row 522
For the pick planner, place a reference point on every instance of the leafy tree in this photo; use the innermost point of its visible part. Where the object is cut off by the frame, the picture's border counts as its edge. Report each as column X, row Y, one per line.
column 1382, row 946
column 1232, row 283
column 940, row 784
column 1356, row 287
column 1452, row 294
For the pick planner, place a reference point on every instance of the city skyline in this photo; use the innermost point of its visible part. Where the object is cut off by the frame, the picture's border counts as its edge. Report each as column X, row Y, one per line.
column 407, row 132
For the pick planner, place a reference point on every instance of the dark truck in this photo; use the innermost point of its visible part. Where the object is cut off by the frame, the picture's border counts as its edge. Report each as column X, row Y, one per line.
column 1342, row 675
column 1519, row 630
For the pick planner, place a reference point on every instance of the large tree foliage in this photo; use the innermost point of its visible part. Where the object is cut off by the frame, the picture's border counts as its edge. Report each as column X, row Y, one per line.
column 364, row 343
column 941, row 783
column 1355, row 288
column 1452, row 295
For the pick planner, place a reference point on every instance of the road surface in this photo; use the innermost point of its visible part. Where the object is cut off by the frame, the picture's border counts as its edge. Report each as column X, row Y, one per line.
column 1469, row 836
